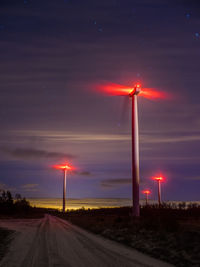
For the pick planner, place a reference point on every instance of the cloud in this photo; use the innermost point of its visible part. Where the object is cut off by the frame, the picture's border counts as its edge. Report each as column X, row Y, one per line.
column 150, row 137
column 115, row 182
column 4, row 187
column 196, row 178
column 30, row 153
column 84, row 173
column 171, row 158
column 30, row 187
column 169, row 139
column 63, row 136
column 24, row 188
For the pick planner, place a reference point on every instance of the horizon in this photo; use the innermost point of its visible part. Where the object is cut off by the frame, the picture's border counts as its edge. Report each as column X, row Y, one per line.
column 94, row 203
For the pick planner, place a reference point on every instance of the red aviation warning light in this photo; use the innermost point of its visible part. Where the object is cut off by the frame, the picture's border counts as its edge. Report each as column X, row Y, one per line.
column 146, row 192
column 63, row 167
column 161, row 179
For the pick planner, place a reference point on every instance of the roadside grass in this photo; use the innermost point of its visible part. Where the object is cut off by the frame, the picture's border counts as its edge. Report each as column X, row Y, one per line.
column 169, row 233
column 30, row 213
column 6, row 238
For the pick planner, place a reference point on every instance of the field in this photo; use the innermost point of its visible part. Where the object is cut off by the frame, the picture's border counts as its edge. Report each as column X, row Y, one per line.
column 169, row 233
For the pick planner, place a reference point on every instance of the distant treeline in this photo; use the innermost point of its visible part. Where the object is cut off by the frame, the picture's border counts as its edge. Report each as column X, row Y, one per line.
column 10, row 205
column 168, row 213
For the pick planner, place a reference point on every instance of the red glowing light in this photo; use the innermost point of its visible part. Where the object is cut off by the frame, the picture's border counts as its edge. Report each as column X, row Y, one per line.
column 115, row 89
column 138, row 85
column 123, row 90
column 158, row 178
column 63, row 167
column 151, row 93
column 147, row 192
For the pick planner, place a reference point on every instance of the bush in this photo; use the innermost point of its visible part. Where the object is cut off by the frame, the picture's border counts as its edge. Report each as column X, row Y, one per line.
column 9, row 206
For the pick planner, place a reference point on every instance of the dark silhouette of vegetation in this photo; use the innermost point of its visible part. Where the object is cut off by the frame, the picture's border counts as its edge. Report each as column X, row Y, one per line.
column 19, row 207
column 9, row 206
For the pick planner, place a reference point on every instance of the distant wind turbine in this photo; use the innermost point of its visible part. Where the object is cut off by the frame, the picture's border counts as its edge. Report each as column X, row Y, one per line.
column 64, row 168
column 159, row 180
column 146, row 192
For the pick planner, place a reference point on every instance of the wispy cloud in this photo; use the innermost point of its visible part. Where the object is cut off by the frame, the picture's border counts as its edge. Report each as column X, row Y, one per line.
column 22, row 188
column 196, row 178
column 30, row 187
column 31, row 153
column 108, row 183
column 5, row 187
column 169, row 139
column 61, row 136
column 147, row 138
column 84, row 173
column 171, row 158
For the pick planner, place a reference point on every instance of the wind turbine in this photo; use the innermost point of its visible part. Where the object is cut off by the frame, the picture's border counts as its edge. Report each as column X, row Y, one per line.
column 64, row 168
column 133, row 92
column 146, row 192
column 159, row 180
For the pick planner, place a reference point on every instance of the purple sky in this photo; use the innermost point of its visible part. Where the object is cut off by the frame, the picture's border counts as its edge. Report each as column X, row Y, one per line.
column 52, row 52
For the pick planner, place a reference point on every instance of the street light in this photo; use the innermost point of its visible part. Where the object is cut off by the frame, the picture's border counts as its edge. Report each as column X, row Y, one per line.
column 146, row 192
column 64, row 167
column 159, row 180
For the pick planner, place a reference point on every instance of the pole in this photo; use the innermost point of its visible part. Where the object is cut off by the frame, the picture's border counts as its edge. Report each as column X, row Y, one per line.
column 159, row 193
column 64, row 188
column 146, row 198
column 135, row 158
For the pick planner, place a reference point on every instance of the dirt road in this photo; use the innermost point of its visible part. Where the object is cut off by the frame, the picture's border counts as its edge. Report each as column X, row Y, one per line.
column 53, row 242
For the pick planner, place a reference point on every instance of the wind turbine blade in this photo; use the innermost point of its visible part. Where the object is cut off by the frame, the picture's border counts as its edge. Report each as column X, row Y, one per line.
column 114, row 89
column 154, row 94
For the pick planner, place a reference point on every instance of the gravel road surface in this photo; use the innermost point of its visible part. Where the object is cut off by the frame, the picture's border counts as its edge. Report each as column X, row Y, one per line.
column 53, row 242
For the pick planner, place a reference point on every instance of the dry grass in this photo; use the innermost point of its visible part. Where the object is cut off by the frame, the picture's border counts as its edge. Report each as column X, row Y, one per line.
column 168, row 233
column 5, row 237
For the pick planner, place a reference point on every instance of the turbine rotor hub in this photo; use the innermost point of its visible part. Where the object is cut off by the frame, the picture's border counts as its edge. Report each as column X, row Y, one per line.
column 136, row 90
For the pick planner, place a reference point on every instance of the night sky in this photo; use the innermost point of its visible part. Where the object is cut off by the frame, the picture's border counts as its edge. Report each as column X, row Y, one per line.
column 53, row 54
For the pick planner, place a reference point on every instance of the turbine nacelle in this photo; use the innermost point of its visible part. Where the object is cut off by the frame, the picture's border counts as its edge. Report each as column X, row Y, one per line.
column 63, row 167
column 136, row 90
column 159, row 179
